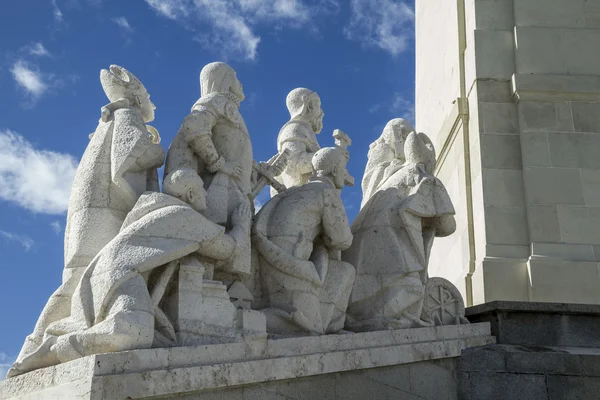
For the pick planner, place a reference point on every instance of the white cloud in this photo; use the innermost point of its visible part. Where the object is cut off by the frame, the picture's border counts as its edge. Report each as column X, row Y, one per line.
column 58, row 15
column 123, row 23
column 385, row 24
column 5, row 363
column 402, row 107
column 233, row 22
column 397, row 105
column 23, row 240
column 29, row 79
column 38, row 49
column 56, row 227
column 38, row 180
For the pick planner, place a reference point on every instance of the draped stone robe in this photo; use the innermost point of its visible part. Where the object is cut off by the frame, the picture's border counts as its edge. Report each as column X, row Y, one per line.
column 118, row 165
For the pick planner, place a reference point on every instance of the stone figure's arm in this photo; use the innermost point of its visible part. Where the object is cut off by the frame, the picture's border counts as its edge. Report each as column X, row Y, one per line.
column 300, row 158
column 223, row 246
column 197, row 131
column 336, row 229
column 444, row 225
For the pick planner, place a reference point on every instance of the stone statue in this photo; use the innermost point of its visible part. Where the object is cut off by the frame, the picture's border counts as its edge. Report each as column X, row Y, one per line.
column 214, row 141
column 298, row 235
column 298, row 136
column 393, row 235
column 116, row 305
column 118, row 165
column 386, row 155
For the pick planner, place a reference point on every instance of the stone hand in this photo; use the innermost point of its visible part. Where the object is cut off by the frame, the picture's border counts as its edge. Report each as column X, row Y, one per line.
column 232, row 169
column 242, row 216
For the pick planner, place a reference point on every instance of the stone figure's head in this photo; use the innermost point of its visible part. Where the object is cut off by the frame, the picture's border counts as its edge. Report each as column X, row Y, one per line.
column 395, row 133
column 420, row 150
column 186, row 185
column 331, row 162
column 118, row 83
column 305, row 104
column 218, row 77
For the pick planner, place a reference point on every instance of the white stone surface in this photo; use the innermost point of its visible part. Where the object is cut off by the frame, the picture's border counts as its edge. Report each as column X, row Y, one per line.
column 298, row 136
column 298, row 235
column 533, row 92
column 123, row 299
column 385, row 154
column 118, row 165
column 198, row 371
column 393, row 235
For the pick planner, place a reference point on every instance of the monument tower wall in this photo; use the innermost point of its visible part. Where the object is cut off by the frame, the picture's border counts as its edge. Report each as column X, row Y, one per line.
column 509, row 91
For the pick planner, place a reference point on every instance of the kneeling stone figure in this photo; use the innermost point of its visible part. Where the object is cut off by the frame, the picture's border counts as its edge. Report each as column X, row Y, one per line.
column 299, row 235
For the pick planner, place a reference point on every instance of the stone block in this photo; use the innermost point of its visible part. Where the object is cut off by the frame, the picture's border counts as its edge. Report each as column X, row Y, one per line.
column 562, row 251
column 426, row 379
column 494, row 54
column 556, row 84
column 590, row 180
column 493, row 91
column 499, row 386
column 551, row 13
column 483, row 359
column 506, row 225
column 536, row 51
column 499, row 117
column 504, row 279
column 575, row 45
column 544, row 116
column 542, row 361
column 565, row 281
column 553, row 186
column 592, row 13
column 579, row 224
column 586, row 116
column 573, row 387
column 503, row 187
column 529, row 323
column 494, row 15
column 543, row 223
column 535, row 149
column 501, row 151
column 574, row 150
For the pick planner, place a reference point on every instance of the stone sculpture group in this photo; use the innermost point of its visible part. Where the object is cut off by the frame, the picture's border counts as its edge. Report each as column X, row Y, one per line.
column 193, row 265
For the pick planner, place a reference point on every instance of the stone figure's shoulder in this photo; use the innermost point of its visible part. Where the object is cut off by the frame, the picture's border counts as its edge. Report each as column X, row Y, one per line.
column 295, row 131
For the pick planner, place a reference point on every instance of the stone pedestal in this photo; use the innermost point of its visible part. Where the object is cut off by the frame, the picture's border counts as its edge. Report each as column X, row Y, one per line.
column 408, row 363
column 545, row 351
column 509, row 91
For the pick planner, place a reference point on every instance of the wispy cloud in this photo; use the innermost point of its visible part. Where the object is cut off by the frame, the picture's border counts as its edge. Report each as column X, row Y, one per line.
column 58, row 15
column 402, row 107
column 384, row 24
column 398, row 106
column 5, row 364
column 23, row 240
column 233, row 22
column 38, row 49
column 37, row 180
column 123, row 23
column 56, row 227
column 29, row 78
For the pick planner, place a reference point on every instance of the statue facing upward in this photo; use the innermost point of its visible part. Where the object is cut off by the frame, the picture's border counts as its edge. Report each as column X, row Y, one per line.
column 298, row 136
column 118, row 165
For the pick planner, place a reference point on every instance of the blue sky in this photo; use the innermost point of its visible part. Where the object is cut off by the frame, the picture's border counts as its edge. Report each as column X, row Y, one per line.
column 357, row 54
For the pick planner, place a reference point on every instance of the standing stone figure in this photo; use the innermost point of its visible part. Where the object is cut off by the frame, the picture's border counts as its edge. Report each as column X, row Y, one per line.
column 386, row 155
column 393, row 235
column 115, row 306
column 298, row 136
column 298, row 235
column 214, row 141
column 118, row 165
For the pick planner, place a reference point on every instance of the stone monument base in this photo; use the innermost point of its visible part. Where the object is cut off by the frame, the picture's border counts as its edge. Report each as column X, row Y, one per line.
column 408, row 364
